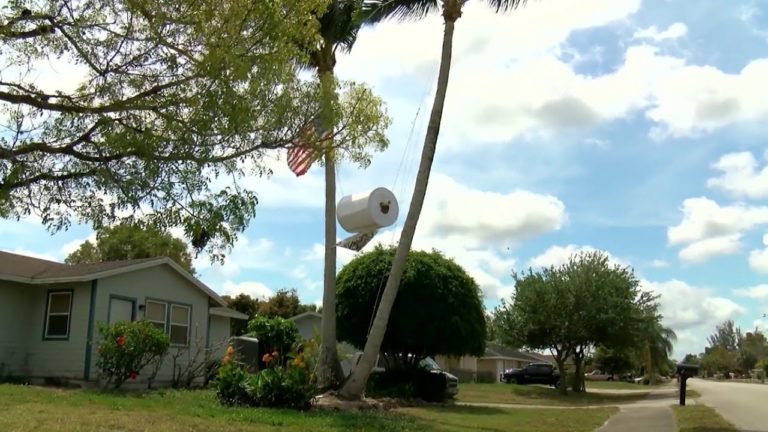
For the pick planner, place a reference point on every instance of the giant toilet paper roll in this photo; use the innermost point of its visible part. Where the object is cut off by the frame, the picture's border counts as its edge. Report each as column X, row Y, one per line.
column 367, row 211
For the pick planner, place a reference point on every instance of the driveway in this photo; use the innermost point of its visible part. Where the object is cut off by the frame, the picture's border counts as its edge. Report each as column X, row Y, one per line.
column 740, row 403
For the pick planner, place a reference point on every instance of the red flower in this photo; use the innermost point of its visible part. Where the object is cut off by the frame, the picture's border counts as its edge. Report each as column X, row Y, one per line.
column 134, row 375
column 121, row 341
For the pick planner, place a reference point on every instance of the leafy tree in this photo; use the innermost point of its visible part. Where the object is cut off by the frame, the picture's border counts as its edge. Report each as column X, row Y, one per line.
column 411, row 9
column 658, row 343
column 568, row 309
column 752, row 348
column 717, row 359
column 284, row 304
column 175, row 99
column 615, row 361
column 726, row 335
column 691, row 359
column 438, row 311
column 245, row 304
column 132, row 241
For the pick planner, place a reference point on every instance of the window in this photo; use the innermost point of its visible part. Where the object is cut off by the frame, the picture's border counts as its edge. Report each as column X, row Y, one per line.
column 180, row 316
column 155, row 313
column 57, row 315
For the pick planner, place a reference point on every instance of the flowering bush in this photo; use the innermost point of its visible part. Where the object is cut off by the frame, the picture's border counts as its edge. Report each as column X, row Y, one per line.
column 276, row 335
column 126, row 348
column 275, row 386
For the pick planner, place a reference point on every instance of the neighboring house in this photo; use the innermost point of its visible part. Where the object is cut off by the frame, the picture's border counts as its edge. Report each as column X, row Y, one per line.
column 49, row 312
column 309, row 324
column 496, row 359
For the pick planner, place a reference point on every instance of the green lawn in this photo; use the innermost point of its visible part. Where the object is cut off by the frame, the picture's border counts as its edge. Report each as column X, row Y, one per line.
column 535, row 395
column 35, row 408
column 617, row 385
column 701, row 418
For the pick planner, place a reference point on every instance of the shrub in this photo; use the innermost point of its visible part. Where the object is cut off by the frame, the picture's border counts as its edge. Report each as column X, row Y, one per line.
column 275, row 335
column 126, row 348
column 275, row 386
column 410, row 383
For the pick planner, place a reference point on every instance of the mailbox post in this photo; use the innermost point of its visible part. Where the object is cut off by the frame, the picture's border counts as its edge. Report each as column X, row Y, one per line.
column 685, row 371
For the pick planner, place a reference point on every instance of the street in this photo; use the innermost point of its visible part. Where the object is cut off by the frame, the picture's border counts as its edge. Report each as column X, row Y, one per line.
column 739, row 403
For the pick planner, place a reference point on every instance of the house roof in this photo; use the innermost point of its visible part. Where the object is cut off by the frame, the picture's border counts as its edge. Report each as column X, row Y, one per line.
column 227, row 313
column 36, row 271
column 494, row 350
column 305, row 315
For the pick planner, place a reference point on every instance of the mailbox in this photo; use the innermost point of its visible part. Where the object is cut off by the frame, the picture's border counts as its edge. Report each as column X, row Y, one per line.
column 685, row 371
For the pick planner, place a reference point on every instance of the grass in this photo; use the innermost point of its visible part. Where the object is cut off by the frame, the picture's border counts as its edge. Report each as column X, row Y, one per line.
column 457, row 419
column 24, row 408
column 617, row 385
column 535, row 395
column 701, row 418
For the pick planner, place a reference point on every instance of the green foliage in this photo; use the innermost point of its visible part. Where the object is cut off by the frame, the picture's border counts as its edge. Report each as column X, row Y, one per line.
column 726, row 335
column 691, row 359
column 615, row 361
column 132, row 241
column 231, row 387
column 245, row 304
column 409, row 383
column 275, row 335
column 284, row 304
column 438, row 308
column 719, row 360
column 585, row 302
column 125, row 348
column 173, row 103
column 276, row 386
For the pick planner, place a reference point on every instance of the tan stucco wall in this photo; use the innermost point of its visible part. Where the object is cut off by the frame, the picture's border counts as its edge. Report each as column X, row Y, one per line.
column 160, row 283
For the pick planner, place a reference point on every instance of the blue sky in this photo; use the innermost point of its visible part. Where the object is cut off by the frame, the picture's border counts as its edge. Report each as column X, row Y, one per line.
column 633, row 127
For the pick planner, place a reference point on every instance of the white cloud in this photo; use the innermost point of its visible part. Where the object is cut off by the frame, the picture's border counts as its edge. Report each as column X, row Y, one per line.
column 758, row 258
column 691, row 312
column 253, row 289
column 244, row 255
column 702, row 250
column 755, row 292
column 674, row 31
column 741, row 176
column 659, row 263
column 559, row 255
column 33, row 254
column 704, row 218
column 697, row 99
column 479, row 218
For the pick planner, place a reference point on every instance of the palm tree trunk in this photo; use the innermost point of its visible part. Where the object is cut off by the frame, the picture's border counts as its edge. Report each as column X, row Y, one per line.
column 329, row 373
column 355, row 385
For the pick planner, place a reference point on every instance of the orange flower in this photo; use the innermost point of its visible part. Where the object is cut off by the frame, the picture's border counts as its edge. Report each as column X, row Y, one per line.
column 230, row 350
column 266, row 358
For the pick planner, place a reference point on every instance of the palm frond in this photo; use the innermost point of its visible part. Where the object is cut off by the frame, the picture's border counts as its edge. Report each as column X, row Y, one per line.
column 505, row 5
column 401, row 10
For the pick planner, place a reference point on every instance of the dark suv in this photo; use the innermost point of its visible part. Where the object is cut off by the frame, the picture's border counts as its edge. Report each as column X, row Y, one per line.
column 534, row 373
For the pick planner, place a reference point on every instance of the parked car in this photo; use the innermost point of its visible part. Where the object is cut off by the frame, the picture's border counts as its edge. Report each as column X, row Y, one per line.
column 534, row 373
column 598, row 375
column 429, row 364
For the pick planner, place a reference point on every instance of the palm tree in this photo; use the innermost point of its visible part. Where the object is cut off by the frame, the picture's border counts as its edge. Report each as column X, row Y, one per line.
column 339, row 25
column 411, row 9
column 657, row 348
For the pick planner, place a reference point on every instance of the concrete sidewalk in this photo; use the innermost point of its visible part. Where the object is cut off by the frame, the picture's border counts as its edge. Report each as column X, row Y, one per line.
column 650, row 414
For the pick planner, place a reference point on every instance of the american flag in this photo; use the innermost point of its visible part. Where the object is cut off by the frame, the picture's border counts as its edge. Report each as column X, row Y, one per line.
column 301, row 155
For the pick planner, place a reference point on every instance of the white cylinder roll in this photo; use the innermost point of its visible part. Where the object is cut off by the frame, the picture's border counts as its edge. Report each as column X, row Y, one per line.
column 367, row 211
